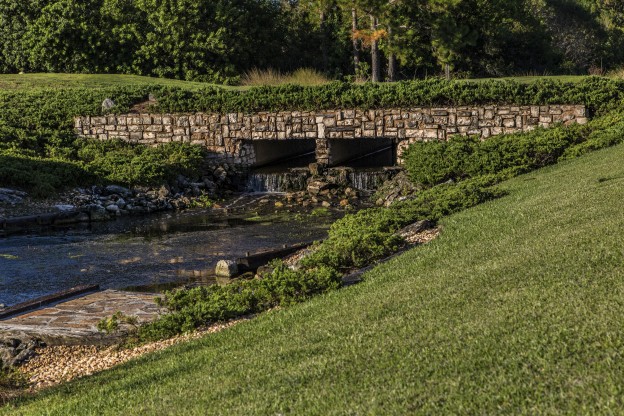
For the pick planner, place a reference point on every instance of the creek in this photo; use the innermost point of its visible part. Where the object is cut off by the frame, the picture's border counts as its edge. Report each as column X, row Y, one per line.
column 150, row 253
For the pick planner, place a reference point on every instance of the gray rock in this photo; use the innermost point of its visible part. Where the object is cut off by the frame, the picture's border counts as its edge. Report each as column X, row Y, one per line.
column 121, row 203
column 226, row 268
column 415, row 228
column 119, row 190
column 10, row 199
column 64, row 208
column 107, row 104
column 112, row 208
column 15, row 352
column 7, row 191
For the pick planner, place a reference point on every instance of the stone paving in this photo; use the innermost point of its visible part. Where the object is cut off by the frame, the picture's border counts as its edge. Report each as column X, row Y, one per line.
column 75, row 321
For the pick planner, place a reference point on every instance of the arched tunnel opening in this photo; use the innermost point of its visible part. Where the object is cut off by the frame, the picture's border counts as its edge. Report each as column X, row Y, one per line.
column 363, row 153
column 283, row 154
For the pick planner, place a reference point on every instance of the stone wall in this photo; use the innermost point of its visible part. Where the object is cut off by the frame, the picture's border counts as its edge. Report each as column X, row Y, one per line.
column 231, row 135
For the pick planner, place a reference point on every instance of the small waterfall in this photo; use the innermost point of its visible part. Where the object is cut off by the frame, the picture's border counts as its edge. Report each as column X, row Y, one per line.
column 367, row 180
column 290, row 181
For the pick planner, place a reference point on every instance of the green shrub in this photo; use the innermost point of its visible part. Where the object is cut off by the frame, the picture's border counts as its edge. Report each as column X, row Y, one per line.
column 598, row 94
column 461, row 157
column 199, row 306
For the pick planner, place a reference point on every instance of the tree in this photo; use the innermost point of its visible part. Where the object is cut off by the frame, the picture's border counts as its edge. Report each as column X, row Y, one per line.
column 16, row 17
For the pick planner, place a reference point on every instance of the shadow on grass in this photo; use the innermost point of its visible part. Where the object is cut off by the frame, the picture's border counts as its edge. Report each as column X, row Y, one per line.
column 41, row 177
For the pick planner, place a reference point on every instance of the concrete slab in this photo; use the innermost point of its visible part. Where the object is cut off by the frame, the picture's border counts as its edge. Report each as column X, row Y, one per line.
column 75, row 321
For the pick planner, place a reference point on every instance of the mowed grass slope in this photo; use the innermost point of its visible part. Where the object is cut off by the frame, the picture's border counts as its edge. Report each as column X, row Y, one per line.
column 518, row 307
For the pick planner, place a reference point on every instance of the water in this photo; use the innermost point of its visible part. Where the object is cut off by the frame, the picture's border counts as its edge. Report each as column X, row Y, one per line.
column 292, row 180
column 154, row 252
column 367, row 179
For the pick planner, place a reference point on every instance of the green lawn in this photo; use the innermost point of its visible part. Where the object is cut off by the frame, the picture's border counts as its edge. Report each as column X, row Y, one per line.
column 31, row 81
column 517, row 308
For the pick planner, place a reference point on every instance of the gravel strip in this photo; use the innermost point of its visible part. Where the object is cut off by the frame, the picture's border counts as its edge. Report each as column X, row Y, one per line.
column 423, row 237
column 59, row 364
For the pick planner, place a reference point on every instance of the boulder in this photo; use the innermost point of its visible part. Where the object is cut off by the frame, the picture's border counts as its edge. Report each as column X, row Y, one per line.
column 107, row 104
column 116, row 189
column 15, row 352
column 226, row 268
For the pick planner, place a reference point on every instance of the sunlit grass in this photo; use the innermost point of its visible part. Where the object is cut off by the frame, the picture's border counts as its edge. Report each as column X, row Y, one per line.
column 303, row 76
column 518, row 307
column 33, row 81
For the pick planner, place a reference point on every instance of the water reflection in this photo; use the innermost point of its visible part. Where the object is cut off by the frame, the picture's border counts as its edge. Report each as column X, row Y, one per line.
column 155, row 252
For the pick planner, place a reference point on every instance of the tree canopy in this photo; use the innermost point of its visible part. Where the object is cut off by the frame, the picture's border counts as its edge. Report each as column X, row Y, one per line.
column 219, row 40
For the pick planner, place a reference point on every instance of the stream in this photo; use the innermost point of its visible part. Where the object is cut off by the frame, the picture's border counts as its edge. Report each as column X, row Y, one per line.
column 150, row 253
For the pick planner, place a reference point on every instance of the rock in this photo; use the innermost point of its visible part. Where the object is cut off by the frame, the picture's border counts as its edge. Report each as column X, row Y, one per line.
column 220, row 174
column 8, row 191
column 344, row 203
column 315, row 187
column 164, row 191
column 15, row 351
column 120, row 203
column 279, row 204
column 314, row 169
column 112, row 208
column 325, row 204
column 97, row 212
column 415, row 228
column 226, row 268
column 64, row 208
column 10, row 199
column 116, row 189
column 107, row 104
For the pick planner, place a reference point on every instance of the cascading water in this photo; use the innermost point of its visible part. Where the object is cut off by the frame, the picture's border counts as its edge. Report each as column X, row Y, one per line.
column 290, row 181
column 367, row 180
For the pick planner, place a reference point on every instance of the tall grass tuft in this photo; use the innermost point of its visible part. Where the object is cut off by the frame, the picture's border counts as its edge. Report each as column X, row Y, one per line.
column 302, row 76
column 257, row 77
column 307, row 76
column 616, row 73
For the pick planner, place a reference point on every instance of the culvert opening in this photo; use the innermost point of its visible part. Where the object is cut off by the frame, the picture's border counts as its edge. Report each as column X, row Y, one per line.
column 363, row 153
column 278, row 155
column 281, row 165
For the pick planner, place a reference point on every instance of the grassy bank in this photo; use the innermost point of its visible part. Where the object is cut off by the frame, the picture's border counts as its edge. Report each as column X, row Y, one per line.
column 40, row 154
column 25, row 82
column 516, row 308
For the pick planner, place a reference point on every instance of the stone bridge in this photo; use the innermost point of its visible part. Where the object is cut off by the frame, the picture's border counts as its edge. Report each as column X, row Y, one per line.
column 335, row 136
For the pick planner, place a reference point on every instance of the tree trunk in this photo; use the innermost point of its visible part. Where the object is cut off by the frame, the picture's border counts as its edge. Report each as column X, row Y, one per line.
column 356, row 52
column 375, row 64
column 391, row 58
column 447, row 71
column 324, row 57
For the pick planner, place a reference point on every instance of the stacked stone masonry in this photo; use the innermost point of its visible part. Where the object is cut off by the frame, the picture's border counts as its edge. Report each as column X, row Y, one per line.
column 231, row 135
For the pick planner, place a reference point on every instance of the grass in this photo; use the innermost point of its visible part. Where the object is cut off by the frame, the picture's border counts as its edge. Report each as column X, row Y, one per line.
column 302, row 76
column 36, row 81
column 516, row 308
